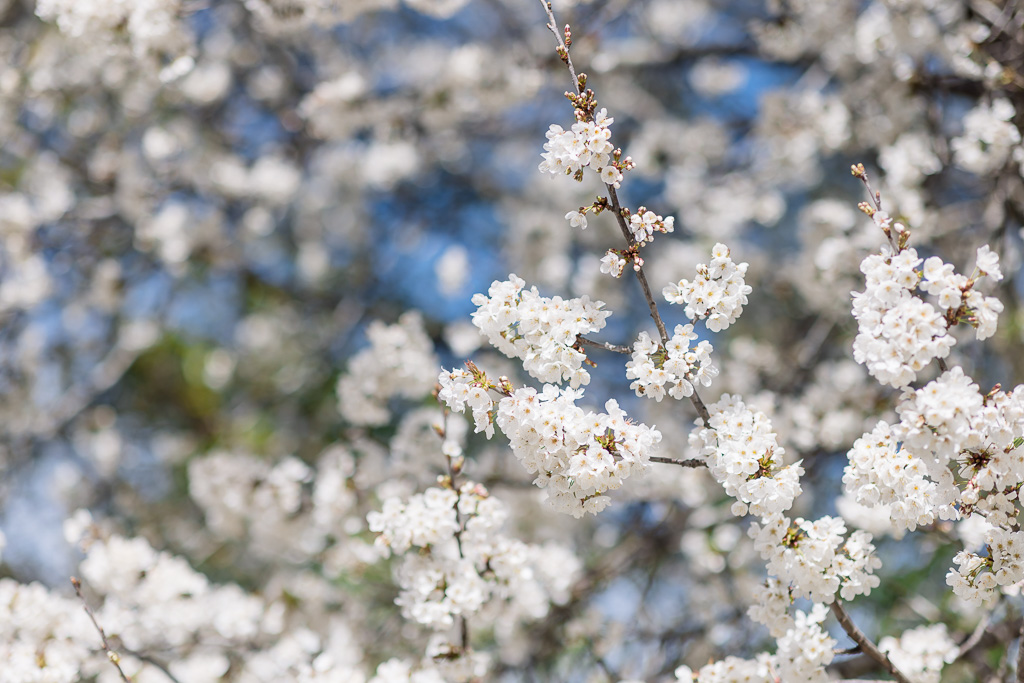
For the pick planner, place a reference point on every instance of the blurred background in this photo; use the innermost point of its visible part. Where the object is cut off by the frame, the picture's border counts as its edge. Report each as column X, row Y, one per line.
column 205, row 207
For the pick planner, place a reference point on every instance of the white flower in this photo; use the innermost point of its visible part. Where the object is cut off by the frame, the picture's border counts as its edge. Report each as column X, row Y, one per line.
column 814, row 559
column 577, row 219
column 643, row 224
column 612, row 263
column 744, row 456
column 718, row 293
column 468, row 562
column 898, row 333
column 399, row 362
column 882, row 473
column 585, row 144
column 459, row 389
column 611, row 176
column 988, row 139
column 577, row 455
column 538, row 330
column 988, row 263
column 673, row 371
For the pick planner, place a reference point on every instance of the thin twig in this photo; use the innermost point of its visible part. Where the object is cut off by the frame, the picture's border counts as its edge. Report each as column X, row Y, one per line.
column 692, row 462
column 114, row 658
column 605, row 345
column 553, row 25
column 616, row 209
column 638, row 269
column 868, row 647
column 454, row 468
column 876, row 199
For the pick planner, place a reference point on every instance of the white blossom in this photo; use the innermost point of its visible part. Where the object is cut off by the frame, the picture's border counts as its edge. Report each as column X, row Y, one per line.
column 540, row 331
column 585, row 144
column 673, row 369
column 898, row 334
column 744, row 456
column 718, row 293
column 577, row 455
column 465, row 560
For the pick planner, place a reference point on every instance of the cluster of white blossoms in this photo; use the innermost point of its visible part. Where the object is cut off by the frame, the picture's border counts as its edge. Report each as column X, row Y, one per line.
column 989, row 137
column 718, row 293
column 729, row 670
column 463, row 560
column 949, row 420
column 158, row 599
column 803, row 652
column 425, row 519
column 398, row 363
column 587, row 143
column 954, row 291
column 401, row 671
column 459, row 389
column 146, row 601
column 673, row 369
column 936, row 419
column 577, row 455
column 815, row 559
column 283, row 509
column 921, row 653
column 771, row 606
column 540, row 331
column 436, row 667
column 954, row 453
column 643, row 224
column 898, row 332
column 881, row 472
column 43, row 636
column 977, row 577
column 744, row 456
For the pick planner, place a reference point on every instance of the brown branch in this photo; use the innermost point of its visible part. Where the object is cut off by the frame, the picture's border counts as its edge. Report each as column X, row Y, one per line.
column 868, row 647
column 876, row 200
column 114, row 658
column 638, row 269
column 553, row 25
column 616, row 208
column 605, row 345
column 692, row 462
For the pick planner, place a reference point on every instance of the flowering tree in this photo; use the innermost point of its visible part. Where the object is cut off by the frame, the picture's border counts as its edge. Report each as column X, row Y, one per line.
column 262, row 403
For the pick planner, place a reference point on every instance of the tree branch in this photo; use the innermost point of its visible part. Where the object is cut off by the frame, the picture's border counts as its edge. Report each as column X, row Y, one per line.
column 604, row 345
column 616, row 208
column 868, row 647
column 692, row 462
column 112, row 655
